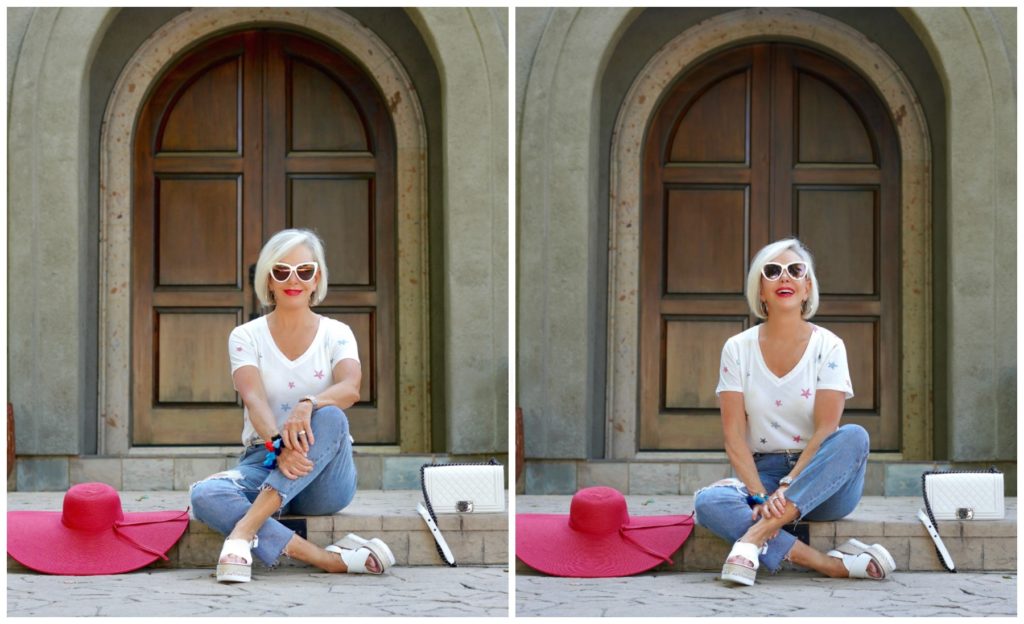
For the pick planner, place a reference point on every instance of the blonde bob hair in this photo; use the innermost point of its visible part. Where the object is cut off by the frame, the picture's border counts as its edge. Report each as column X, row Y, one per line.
column 766, row 255
column 279, row 246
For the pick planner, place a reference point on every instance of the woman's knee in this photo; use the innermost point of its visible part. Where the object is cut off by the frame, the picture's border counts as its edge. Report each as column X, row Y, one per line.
column 330, row 417
column 205, row 494
column 856, row 437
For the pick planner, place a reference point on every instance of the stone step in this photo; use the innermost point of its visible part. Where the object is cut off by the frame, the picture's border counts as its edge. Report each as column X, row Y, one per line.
column 475, row 539
column 685, row 474
column 160, row 469
column 887, row 520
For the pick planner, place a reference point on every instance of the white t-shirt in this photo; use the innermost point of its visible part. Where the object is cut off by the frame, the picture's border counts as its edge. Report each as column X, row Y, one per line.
column 780, row 411
column 286, row 381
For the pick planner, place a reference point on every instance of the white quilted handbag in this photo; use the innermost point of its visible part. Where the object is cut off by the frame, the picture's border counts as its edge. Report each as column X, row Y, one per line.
column 459, row 488
column 964, row 495
column 959, row 495
column 464, row 488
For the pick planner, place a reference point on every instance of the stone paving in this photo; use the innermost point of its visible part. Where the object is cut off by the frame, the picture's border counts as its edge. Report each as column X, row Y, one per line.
column 403, row 592
column 785, row 594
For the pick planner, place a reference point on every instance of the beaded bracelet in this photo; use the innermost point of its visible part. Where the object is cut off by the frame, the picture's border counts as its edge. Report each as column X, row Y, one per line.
column 274, row 449
column 757, row 499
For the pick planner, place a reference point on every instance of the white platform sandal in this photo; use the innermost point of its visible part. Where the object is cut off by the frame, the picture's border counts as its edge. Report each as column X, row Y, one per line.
column 355, row 551
column 236, row 572
column 857, row 556
column 739, row 573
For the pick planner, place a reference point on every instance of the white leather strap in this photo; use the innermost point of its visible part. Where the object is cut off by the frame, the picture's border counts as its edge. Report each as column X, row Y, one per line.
column 934, row 534
column 436, row 532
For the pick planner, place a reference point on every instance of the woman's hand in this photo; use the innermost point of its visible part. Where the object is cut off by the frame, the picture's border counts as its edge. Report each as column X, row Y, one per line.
column 297, row 433
column 293, row 464
column 777, row 501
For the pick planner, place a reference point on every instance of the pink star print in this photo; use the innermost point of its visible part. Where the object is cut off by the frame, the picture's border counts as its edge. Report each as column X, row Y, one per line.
column 778, row 403
column 725, row 369
column 806, row 393
column 291, row 384
column 797, row 438
column 319, row 374
column 238, row 348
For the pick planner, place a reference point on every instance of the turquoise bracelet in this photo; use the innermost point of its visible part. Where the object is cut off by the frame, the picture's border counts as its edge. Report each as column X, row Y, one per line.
column 757, row 499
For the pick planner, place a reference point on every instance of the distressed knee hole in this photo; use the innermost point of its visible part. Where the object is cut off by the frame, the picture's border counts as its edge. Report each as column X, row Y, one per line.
column 234, row 476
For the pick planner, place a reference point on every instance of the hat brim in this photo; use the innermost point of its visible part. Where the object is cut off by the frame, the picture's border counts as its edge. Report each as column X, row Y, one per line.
column 547, row 543
column 40, row 541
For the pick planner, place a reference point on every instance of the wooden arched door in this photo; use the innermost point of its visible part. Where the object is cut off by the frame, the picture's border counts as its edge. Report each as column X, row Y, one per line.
column 752, row 145
column 246, row 135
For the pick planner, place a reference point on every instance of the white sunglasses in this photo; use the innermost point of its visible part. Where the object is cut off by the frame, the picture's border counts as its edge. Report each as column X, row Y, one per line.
column 773, row 270
column 305, row 271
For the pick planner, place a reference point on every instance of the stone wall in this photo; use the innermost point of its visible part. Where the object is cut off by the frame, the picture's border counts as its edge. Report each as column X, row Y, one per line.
column 52, row 227
column 572, row 88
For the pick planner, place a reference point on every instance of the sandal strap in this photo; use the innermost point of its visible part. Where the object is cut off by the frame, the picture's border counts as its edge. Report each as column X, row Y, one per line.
column 750, row 552
column 239, row 548
column 355, row 560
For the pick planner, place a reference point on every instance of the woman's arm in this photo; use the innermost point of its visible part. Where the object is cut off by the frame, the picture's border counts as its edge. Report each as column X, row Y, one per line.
column 344, row 393
column 347, row 375
column 828, row 409
column 249, row 385
column 734, row 426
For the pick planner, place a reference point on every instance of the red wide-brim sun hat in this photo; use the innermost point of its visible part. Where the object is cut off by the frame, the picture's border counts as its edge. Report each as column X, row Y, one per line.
column 92, row 535
column 598, row 538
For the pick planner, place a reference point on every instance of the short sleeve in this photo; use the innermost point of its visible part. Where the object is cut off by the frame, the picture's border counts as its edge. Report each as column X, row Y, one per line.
column 242, row 349
column 834, row 372
column 343, row 344
column 729, row 369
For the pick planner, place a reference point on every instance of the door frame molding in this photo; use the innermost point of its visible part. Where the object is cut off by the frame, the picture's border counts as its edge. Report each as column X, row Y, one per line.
column 655, row 80
column 117, row 134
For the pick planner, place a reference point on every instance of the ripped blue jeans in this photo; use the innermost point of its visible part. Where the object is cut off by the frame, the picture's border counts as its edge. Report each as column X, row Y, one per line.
column 828, row 488
column 222, row 499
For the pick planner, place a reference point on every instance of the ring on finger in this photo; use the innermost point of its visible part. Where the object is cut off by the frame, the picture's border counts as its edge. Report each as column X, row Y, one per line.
column 302, row 433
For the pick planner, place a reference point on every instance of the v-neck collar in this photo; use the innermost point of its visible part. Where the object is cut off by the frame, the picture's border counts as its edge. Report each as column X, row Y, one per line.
column 796, row 367
column 280, row 354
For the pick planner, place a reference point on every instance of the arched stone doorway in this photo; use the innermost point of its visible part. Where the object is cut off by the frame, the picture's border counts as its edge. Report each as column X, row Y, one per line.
column 386, row 73
column 716, row 34
column 754, row 144
column 247, row 134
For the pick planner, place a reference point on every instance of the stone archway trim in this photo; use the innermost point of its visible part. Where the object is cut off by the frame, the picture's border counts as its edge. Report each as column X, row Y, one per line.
column 125, row 102
column 719, row 32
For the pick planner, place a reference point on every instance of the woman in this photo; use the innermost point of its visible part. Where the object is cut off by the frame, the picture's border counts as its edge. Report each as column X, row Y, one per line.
column 295, row 371
column 782, row 388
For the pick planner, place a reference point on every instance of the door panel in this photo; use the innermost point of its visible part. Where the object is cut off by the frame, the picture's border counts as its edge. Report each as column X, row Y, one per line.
column 843, row 222
column 197, row 239
column 204, row 117
column 341, row 210
column 246, row 135
column 819, row 161
column 195, row 340
column 323, row 117
column 707, row 132
column 828, row 127
column 704, row 240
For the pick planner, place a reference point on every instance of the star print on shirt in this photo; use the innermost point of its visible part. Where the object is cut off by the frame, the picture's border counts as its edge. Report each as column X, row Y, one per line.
column 291, row 384
column 775, row 425
column 806, row 393
column 778, row 403
column 319, row 374
column 832, row 365
column 285, row 407
column 725, row 369
column 343, row 342
column 797, row 438
column 763, row 441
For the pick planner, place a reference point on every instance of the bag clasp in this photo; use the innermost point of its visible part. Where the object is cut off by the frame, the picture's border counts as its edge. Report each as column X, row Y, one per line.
column 467, row 506
column 964, row 513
